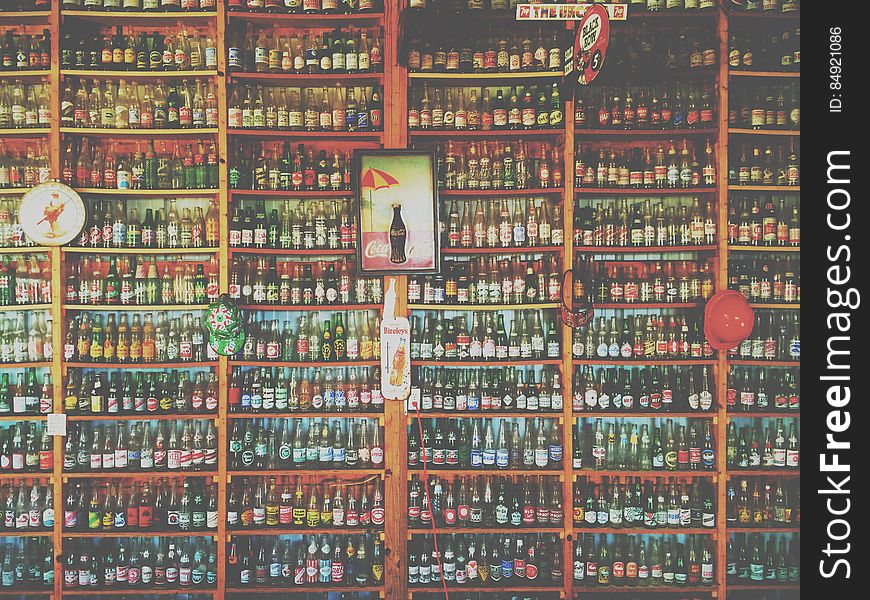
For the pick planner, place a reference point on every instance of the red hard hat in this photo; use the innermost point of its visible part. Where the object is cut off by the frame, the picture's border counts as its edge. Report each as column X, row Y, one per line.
column 728, row 319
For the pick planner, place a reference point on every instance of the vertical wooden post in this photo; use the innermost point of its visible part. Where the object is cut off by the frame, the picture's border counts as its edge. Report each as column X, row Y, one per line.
column 721, row 266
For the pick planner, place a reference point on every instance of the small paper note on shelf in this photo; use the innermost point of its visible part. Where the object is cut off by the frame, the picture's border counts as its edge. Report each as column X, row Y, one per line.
column 56, row 424
column 412, row 403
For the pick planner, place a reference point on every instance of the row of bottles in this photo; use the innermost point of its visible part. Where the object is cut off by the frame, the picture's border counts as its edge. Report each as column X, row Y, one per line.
column 188, row 504
column 766, row 278
column 659, row 445
column 756, row 558
column 645, row 223
column 130, row 105
column 341, row 51
column 301, row 284
column 759, row 389
column 760, row 444
column 489, row 225
column 305, row 226
column 487, row 389
column 646, row 389
column 114, row 225
column 256, row 502
column 491, row 52
column 130, row 446
column 495, row 281
column 532, row 334
column 498, row 165
column 514, row 108
column 23, row 168
column 775, row 336
column 25, row 447
column 651, row 52
column 485, row 560
column 129, row 282
column 145, row 392
column 276, row 108
column 273, row 444
column 632, row 282
column 333, row 389
column 646, row 167
column 143, row 5
column 11, row 233
column 308, row 7
column 642, row 337
column 24, row 281
column 192, row 166
column 25, row 337
column 22, row 51
column 271, row 167
column 653, row 504
column 644, row 561
column 24, row 105
column 312, row 341
column 473, row 443
column 25, row 5
column 766, row 6
column 765, row 108
column 484, row 501
column 130, row 50
column 766, row 504
column 673, row 106
column 27, row 564
column 137, row 563
column 754, row 165
column 764, row 221
column 26, row 507
column 307, row 562
column 27, row 396
column 779, row 51
column 179, row 338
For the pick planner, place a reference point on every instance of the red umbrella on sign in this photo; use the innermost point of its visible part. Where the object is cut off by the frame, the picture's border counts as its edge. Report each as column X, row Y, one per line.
column 375, row 179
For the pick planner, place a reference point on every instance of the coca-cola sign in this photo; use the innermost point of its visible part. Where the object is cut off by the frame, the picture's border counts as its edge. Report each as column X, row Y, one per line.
column 398, row 211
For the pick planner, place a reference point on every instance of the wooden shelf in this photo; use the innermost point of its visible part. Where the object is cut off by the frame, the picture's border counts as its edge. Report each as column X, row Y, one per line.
column 10, row 191
column 530, row 362
column 500, row 193
column 25, row 365
column 650, row 473
column 162, row 193
column 644, row 362
column 138, row 251
column 508, row 586
column 136, row 533
column 484, row 414
column 774, row 305
column 304, row 414
column 782, row 189
column 308, row 307
column 767, row 15
column 144, row 416
column 484, row 79
column 134, row 307
column 580, row 590
column 99, row 74
column 360, row 136
column 108, row 474
column 305, row 79
column 642, row 249
column 24, row 249
column 139, row 590
column 10, row 416
column 340, row 531
column 149, row 133
column 484, row 307
column 764, row 363
column 760, row 249
column 106, row 16
column 306, row 21
column 765, row 585
column 650, row 192
column 297, row 194
column 524, row 529
column 25, row 15
column 646, row 530
column 292, row 364
column 641, row 134
column 280, row 252
column 18, row 307
column 20, row 132
column 769, row 529
column 320, row 472
column 485, row 470
column 510, row 250
column 645, row 414
column 139, row 365
column 25, row 73
column 5, row 475
column 781, row 472
column 765, row 132
column 501, row 133
column 646, row 305
column 769, row 414
column 771, row 74
column 304, row 589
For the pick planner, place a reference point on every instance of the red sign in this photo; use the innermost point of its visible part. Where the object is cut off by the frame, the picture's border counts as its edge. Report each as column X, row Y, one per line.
column 590, row 45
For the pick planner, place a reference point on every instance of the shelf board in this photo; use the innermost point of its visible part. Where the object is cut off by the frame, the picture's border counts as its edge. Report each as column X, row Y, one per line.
column 494, row 133
column 282, row 252
column 489, row 413
column 509, row 250
column 25, row 15
column 443, row 530
column 783, row 74
column 506, row 586
column 645, row 414
column 136, row 533
column 362, row 136
column 150, row 133
column 782, row 189
column 134, row 307
column 286, row 591
column 144, row 416
column 652, row 192
column 644, row 361
column 776, row 305
column 305, row 21
column 137, row 251
column 25, row 73
column 24, row 249
column 300, row 194
column 309, row 307
column 651, row 472
column 293, row 364
column 109, row 474
column 486, row 78
column 25, row 533
column 500, row 193
column 764, row 363
column 24, row 474
column 508, row 362
column 646, row 305
column 765, row 132
column 769, row 414
column 106, row 16
column 760, row 249
column 21, row 417
column 320, row 472
column 643, row 249
column 8, row 191
column 292, row 414
column 484, row 307
column 580, row 590
column 484, row 470
column 23, row 131
column 764, row 14
column 139, row 365
column 139, row 590
column 764, row 585
column 769, row 529
column 646, row 530
column 162, row 193
column 582, row 134
column 17, row 307
column 253, row 530
column 101, row 74
column 25, row 365
column 293, row 79
column 781, row 472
